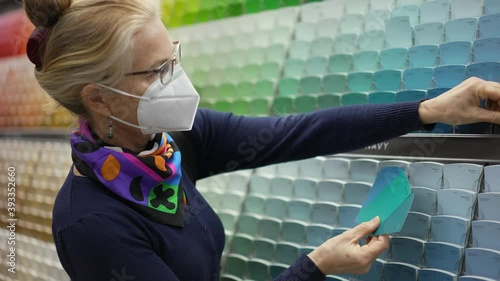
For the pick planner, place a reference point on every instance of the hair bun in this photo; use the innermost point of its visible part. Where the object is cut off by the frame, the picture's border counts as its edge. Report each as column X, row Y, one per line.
column 45, row 13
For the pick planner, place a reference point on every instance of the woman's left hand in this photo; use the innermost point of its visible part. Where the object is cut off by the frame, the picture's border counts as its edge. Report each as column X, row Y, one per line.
column 462, row 104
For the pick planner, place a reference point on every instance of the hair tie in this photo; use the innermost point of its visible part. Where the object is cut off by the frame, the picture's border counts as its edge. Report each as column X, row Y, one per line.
column 35, row 45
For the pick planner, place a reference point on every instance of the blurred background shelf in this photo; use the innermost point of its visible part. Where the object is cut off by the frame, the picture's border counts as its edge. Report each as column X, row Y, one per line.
column 35, row 133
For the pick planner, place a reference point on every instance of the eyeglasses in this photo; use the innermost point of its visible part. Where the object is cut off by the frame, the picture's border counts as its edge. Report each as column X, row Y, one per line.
column 166, row 70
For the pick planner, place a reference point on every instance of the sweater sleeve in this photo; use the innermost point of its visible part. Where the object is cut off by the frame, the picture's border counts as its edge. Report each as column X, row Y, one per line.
column 98, row 248
column 303, row 269
column 226, row 142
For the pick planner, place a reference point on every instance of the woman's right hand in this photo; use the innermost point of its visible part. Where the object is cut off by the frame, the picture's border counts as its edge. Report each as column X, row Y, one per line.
column 462, row 104
column 342, row 253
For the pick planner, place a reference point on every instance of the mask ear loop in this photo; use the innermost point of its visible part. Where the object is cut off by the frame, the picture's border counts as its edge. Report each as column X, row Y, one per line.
column 127, row 123
column 123, row 93
column 128, row 95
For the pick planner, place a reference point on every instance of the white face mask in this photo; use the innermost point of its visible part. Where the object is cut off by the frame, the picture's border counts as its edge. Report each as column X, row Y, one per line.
column 163, row 108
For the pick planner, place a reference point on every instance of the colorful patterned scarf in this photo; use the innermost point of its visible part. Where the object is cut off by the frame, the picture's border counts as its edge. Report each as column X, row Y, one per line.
column 150, row 180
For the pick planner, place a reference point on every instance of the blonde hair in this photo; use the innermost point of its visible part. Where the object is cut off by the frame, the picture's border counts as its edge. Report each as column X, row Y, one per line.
column 89, row 41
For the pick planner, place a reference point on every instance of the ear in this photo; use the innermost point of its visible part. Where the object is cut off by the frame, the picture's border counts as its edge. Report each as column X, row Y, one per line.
column 94, row 99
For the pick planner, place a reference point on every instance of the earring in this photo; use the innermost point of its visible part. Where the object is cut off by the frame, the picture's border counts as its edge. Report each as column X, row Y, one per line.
column 110, row 134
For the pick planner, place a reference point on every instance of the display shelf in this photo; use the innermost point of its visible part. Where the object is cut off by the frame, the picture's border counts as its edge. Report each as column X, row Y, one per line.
column 435, row 147
column 35, row 132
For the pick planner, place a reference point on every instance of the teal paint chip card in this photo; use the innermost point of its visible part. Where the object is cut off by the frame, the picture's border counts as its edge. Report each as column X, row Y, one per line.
column 390, row 198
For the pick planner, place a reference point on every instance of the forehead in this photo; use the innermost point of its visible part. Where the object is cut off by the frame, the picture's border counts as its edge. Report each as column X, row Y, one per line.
column 152, row 45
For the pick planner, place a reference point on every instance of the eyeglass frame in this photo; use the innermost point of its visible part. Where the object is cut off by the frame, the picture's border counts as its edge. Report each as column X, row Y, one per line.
column 176, row 58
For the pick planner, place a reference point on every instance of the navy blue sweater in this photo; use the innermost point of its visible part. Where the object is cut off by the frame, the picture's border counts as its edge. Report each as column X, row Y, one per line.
column 99, row 238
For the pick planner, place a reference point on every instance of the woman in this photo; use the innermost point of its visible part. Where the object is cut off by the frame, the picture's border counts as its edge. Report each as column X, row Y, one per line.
column 129, row 209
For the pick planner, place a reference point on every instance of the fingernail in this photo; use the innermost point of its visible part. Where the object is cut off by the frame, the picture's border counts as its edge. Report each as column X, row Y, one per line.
column 374, row 219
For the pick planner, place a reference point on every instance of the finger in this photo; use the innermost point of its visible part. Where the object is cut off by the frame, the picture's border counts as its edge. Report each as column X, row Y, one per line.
column 489, row 91
column 377, row 245
column 492, row 105
column 489, row 104
column 363, row 229
column 494, row 84
column 381, row 239
column 489, row 116
column 368, row 239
